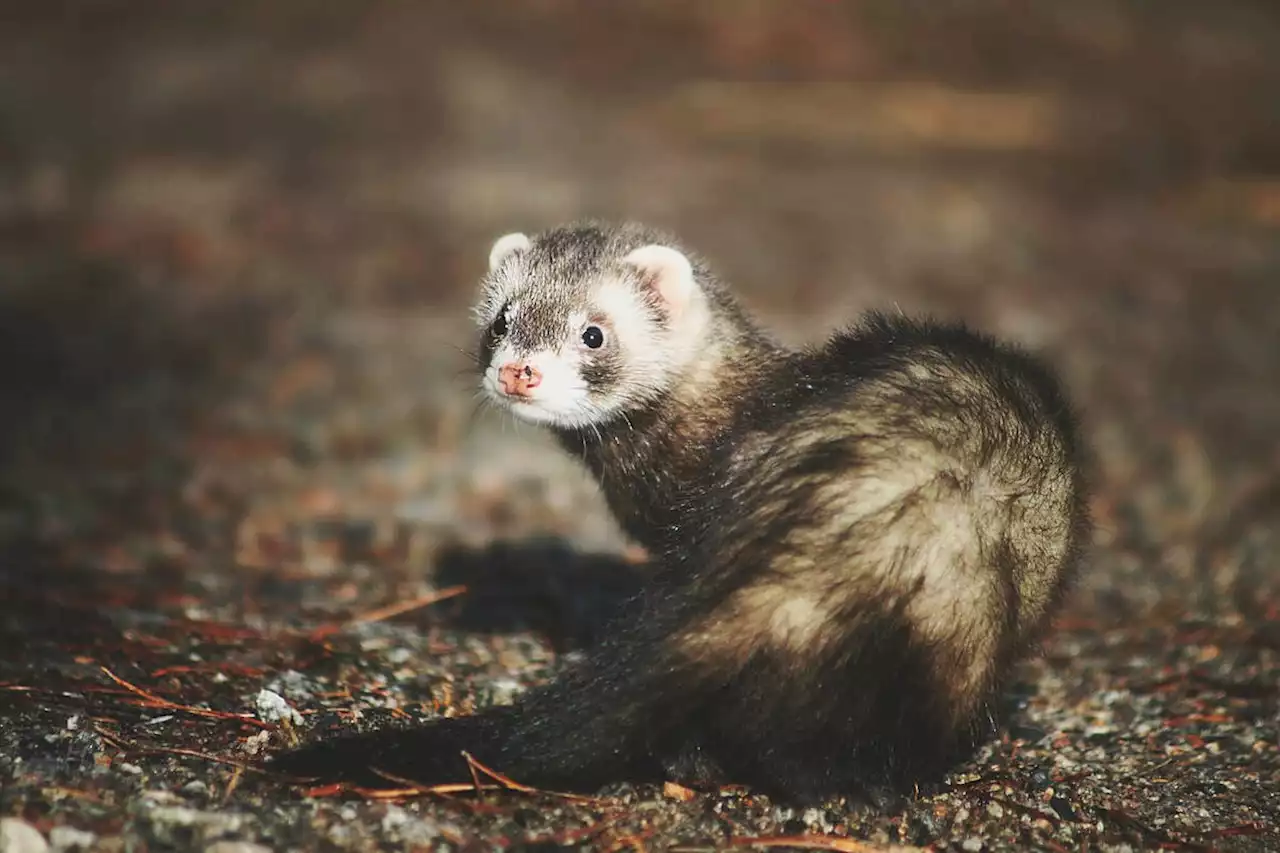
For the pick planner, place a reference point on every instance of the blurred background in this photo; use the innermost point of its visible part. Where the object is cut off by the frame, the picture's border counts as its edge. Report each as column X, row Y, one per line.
column 237, row 245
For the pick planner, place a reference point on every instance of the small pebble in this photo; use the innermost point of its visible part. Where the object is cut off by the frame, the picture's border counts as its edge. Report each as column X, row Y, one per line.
column 794, row 826
column 272, row 707
column 67, row 838
column 1063, row 808
column 236, row 847
column 394, row 818
column 254, row 743
column 973, row 844
column 18, row 836
column 505, row 690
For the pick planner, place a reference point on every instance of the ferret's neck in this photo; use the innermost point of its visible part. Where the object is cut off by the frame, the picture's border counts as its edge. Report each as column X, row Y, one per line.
column 652, row 461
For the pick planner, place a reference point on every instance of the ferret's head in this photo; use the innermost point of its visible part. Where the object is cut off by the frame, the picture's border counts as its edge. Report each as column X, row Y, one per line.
column 581, row 325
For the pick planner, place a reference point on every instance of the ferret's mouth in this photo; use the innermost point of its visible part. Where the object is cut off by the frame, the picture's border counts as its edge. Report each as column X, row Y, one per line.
column 549, row 404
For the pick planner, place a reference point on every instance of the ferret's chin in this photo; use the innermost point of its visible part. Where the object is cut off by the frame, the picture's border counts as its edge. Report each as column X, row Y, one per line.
column 532, row 412
column 542, row 412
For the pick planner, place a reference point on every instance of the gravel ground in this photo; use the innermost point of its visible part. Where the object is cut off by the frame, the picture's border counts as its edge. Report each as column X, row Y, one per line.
column 236, row 252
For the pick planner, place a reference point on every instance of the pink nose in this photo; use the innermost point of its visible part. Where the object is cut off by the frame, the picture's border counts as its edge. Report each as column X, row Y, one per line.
column 519, row 380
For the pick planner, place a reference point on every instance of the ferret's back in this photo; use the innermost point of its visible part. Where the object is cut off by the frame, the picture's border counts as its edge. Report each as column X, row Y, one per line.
column 923, row 467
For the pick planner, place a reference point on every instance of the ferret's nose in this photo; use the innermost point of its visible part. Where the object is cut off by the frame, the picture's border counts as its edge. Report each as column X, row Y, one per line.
column 519, row 380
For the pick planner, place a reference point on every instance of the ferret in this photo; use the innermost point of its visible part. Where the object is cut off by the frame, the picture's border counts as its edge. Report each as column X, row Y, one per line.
column 853, row 542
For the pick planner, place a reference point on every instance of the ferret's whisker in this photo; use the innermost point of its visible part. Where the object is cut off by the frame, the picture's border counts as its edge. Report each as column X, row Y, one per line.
column 470, row 355
column 479, row 401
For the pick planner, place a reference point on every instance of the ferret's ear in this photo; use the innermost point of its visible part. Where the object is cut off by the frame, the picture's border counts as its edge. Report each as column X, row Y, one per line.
column 667, row 272
column 504, row 246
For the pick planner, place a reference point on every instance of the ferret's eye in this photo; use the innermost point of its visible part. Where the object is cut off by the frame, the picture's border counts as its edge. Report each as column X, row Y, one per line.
column 499, row 327
column 593, row 337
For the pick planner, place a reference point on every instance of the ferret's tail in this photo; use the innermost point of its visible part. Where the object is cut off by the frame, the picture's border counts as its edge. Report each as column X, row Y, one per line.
column 598, row 722
column 426, row 755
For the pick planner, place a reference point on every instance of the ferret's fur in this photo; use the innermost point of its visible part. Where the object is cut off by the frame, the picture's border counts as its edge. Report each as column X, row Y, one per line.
column 854, row 542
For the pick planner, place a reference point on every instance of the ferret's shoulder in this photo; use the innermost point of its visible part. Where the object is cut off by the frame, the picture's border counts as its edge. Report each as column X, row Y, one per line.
column 930, row 353
column 881, row 341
